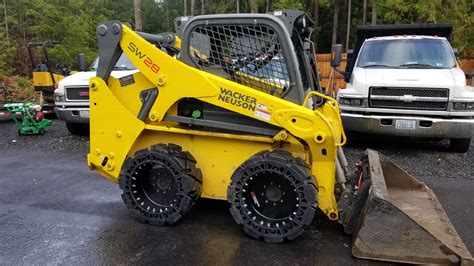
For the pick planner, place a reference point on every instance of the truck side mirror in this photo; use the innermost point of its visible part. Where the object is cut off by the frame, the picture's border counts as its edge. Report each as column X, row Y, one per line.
column 336, row 54
column 469, row 75
column 81, row 61
column 455, row 50
column 349, row 58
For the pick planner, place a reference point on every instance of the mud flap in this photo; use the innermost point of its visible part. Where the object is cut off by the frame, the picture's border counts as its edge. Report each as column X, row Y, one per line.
column 403, row 221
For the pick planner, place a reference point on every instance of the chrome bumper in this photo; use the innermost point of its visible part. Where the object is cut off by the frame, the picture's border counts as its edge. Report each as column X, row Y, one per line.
column 71, row 115
column 424, row 126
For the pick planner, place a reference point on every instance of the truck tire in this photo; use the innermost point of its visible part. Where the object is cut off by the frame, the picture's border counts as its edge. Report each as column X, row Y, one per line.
column 272, row 195
column 78, row 129
column 160, row 184
column 460, row 145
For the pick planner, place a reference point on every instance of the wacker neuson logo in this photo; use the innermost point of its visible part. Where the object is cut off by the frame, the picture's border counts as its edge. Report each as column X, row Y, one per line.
column 238, row 99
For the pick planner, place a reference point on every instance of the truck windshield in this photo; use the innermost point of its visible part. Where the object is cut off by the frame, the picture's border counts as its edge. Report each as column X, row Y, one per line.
column 411, row 53
column 122, row 64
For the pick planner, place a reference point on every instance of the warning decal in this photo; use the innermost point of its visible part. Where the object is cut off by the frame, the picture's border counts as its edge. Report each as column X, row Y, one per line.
column 262, row 112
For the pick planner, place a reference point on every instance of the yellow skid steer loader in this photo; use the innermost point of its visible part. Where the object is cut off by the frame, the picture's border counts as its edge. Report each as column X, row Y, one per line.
column 237, row 114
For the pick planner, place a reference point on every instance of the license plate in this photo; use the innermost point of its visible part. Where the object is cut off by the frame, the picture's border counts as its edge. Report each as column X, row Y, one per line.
column 84, row 114
column 405, row 124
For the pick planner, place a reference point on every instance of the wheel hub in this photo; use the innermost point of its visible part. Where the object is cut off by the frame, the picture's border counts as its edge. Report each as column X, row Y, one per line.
column 273, row 193
column 157, row 183
column 163, row 181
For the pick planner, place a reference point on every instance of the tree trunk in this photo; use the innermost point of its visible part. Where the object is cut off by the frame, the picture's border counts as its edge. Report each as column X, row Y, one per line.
column 335, row 20
column 185, row 8
column 203, row 7
column 348, row 24
column 193, row 3
column 238, row 6
column 374, row 12
column 137, row 4
column 253, row 6
column 315, row 19
column 268, row 7
column 6, row 21
column 364, row 13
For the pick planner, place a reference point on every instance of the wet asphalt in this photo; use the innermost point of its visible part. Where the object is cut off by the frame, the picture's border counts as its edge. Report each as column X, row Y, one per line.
column 53, row 210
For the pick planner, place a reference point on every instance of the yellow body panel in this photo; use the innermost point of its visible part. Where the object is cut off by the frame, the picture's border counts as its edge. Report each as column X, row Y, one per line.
column 177, row 42
column 216, row 156
column 43, row 79
column 117, row 133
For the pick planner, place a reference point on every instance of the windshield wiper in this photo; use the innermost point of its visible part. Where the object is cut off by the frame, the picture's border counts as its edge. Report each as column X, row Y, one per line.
column 418, row 65
column 379, row 65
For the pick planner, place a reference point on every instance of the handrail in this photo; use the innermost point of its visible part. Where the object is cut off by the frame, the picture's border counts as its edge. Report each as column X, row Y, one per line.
column 336, row 109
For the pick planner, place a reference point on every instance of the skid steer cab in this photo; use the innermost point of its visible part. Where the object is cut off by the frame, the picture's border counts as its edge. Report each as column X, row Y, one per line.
column 238, row 115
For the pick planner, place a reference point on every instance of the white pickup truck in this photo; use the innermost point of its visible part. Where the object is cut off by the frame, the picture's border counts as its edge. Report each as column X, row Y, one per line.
column 404, row 80
column 72, row 95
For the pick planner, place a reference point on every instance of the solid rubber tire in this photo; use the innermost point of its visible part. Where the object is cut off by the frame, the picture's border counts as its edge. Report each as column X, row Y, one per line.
column 298, row 172
column 78, row 129
column 188, row 179
column 460, row 145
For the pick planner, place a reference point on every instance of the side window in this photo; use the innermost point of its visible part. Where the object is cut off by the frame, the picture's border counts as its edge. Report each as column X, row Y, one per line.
column 248, row 54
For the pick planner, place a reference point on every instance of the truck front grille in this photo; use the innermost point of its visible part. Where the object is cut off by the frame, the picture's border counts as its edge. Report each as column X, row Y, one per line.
column 435, row 99
column 77, row 93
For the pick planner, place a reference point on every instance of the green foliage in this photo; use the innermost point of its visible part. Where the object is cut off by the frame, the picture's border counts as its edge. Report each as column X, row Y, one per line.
column 19, row 88
column 457, row 12
column 24, row 83
column 73, row 22
column 288, row 4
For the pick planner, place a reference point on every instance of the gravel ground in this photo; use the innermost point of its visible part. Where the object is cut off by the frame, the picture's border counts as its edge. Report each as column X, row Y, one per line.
column 79, row 218
column 420, row 157
column 56, row 138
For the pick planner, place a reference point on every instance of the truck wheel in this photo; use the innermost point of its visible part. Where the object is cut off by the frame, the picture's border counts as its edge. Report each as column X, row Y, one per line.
column 272, row 195
column 78, row 129
column 459, row 145
column 160, row 184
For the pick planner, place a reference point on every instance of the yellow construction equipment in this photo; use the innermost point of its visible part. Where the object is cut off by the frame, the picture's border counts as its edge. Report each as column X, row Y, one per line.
column 238, row 115
column 46, row 73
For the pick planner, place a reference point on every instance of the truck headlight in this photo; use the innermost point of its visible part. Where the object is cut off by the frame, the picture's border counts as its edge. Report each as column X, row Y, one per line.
column 59, row 98
column 344, row 101
column 356, row 102
column 463, row 106
column 350, row 101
